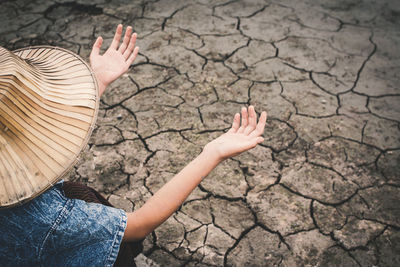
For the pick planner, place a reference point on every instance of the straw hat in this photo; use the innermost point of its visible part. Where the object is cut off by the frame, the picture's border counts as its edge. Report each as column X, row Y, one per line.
column 48, row 106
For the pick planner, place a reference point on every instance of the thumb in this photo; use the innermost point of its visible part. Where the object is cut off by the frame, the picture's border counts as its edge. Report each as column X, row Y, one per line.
column 260, row 140
column 96, row 47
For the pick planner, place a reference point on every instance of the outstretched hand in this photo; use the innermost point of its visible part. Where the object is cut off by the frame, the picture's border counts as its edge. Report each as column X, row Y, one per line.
column 116, row 60
column 241, row 137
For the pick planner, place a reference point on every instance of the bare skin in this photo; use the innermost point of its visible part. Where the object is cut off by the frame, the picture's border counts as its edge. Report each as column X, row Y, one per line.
column 240, row 138
column 245, row 133
column 116, row 60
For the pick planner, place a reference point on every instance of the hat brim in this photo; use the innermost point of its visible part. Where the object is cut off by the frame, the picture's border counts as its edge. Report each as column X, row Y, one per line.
column 48, row 109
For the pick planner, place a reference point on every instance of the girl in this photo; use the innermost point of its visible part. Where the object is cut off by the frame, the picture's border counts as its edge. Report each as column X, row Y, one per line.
column 56, row 229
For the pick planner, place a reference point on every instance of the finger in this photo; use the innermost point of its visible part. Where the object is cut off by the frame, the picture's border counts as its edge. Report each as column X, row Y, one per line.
column 235, row 124
column 96, row 47
column 259, row 140
column 252, row 117
column 244, row 120
column 133, row 56
column 252, row 121
column 260, row 125
column 130, row 47
column 126, row 40
column 117, row 37
column 254, row 142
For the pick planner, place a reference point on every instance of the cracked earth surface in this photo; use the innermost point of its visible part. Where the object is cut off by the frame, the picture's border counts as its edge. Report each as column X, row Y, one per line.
column 321, row 190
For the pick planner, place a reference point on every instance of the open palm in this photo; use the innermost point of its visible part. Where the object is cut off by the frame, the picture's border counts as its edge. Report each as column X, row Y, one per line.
column 241, row 137
column 116, row 60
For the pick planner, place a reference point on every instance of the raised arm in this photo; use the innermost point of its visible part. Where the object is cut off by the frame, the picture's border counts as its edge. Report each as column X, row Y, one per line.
column 242, row 136
column 116, row 60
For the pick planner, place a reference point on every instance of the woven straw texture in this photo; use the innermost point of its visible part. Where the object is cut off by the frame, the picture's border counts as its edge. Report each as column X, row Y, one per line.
column 48, row 107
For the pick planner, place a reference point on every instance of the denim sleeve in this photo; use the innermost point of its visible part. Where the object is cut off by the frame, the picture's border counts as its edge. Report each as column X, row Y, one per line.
column 52, row 230
column 87, row 234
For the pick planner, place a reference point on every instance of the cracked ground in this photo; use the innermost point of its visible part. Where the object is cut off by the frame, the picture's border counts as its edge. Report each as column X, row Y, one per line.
column 323, row 189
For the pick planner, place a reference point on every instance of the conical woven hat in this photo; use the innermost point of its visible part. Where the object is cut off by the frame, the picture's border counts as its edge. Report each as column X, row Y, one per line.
column 48, row 107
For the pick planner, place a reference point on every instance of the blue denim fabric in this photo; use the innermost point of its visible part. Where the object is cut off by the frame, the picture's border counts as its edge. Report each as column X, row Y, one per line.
column 52, row 230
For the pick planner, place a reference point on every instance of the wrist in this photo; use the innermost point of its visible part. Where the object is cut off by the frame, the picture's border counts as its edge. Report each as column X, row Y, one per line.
column 102, row 87
column 211, row 154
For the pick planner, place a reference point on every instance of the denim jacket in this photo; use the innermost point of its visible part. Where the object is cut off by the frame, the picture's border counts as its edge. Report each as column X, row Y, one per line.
column 52, row 230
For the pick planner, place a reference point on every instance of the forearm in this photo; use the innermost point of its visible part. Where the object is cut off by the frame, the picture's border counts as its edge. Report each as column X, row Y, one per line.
column 168, row 199
column 240, row 138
